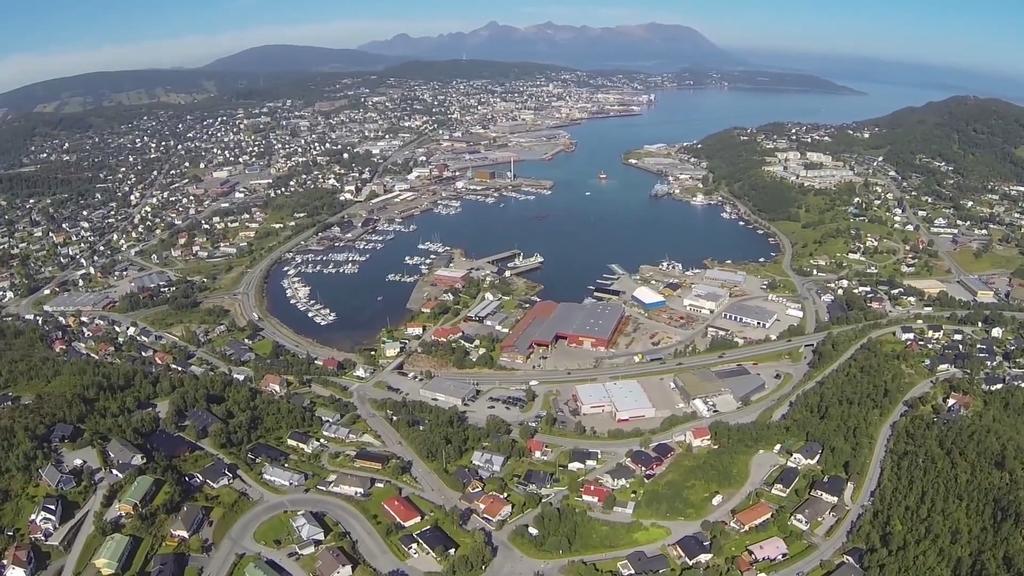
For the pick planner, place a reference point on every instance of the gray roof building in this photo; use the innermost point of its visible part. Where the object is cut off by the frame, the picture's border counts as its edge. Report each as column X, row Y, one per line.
column 448, row 390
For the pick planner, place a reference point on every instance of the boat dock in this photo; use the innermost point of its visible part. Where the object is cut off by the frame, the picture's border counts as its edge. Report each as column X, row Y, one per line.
column 500, row 256
column 522, row 269
column 619, row 270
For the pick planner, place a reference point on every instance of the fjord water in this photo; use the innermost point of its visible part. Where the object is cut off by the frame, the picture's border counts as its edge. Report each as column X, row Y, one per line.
column 586, row 223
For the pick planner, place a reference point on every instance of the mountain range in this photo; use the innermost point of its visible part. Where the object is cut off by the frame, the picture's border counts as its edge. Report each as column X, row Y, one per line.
column 647, row 47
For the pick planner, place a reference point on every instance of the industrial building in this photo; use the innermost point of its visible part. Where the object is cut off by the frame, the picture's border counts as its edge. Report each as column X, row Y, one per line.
column 750, row 315
column 704, row 299
column 447, row 390
column 624, row 399
column 708, row 391
column 722, row 276
column 648, row 298
column 483, row 310
column 590, row 325
column 450, row 278
column 977, row 288
column 80, row 301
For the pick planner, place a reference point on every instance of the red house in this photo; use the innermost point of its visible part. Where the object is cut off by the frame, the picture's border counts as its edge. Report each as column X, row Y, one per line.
column 446, row 333
column 538, row 449
column 331, row 363
column 596, row 493
column 403, row 511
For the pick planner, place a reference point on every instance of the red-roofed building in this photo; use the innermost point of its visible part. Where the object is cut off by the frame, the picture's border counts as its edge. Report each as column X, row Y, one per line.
column 429, row 306
column 596, row 493
column 698, row 436
column 331, row 363
column 752, row 517
column 538, row 449
column 449, row 278
column 272, row 383
column 592, row 326
column 494, row 507
column 163, row 358
column 403, row 511
column 446, row 333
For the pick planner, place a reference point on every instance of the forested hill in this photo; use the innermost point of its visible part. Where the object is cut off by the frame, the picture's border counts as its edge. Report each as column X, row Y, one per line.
column 951, row 497
column 982, row 138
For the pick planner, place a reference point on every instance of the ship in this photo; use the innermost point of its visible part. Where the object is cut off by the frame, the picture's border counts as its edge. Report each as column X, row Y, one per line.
column 602, row 176
column 661, row 189
column 521, row 262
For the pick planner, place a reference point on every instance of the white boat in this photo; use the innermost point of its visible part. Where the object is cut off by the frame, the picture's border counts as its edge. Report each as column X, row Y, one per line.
column 521, row 262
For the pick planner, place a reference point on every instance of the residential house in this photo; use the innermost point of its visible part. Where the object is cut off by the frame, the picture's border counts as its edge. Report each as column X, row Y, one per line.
column 752, row 516
column 488, row 463
column 644, row 462
column 61, row 433
column 137, row 495
column 403, row 511
column 332, row 364
column 372, row 460
column 807, row 455
column 188, row 522
column 934, row 331
column 640, row 563
column 446, row 333
column 537, row 449
column 55, row 478
column 809, row 511
column 239, row 352
column 281, row 476
column 692, row 549
column 265, row 453
column 331, row 561
column 785, row 481
column 415, row 329
column 847, row 569
column 363, row 372
column 168, row 565
column 19, row 561
column 906, row 334
column 302, row 441
column 307, row 528
column 46, row 518
column 111, row 558
column 201, row 420
column 663, row 450
column 391, row 349
column 830, row 488
column 619, row 476
column 699, row 436
column 580, row 460
column 493, row 507
column 536, row 480
column 336, row 431
column 594, row 493
column 855, row 555
column 436, row 542
column 773, row 549
column 273, row 384
column 170, row 445
column 121, row 452
column 216, row 474
column 349, row 484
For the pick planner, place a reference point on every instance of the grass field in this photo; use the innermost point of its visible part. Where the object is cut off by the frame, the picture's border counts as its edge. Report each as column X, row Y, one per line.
column 995, row 259
column 597, row 536
column 263, row 347
column 685, row 488
column 275, row 532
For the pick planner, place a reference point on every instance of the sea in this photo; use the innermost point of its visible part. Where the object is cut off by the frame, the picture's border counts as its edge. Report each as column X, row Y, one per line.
column 587, row 223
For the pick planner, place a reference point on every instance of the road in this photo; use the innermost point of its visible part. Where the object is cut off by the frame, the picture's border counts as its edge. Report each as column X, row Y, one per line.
column 87, row 526
column 835, row 543
column 239, row 539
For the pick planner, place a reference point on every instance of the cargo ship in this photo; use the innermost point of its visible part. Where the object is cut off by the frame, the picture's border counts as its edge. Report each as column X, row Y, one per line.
column 601, row 175
column 661, row 189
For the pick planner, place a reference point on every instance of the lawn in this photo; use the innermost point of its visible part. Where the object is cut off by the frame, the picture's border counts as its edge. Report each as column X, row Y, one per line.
column 228, row 506
column 165, row 318
column 275, row 532
column 597, row 536
column 239, row 567
column 263, row 347
column 685, row 488
column 994, row 259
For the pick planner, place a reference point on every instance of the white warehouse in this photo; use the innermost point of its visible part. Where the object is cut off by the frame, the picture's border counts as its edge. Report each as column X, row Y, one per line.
column 624, row 399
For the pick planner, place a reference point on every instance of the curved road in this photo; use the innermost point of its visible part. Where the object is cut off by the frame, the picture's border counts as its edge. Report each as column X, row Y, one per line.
column 239, row 539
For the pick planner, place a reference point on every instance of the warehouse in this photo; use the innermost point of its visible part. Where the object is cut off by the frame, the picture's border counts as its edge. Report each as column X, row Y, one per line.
column 625, row 400
column 483, row 310
column 591, row 326
column 648, row 298
column 450, row 278
column 445, row 390
column 738, row 382
column 80, row 301
column 704, row 299
column 977, row 288
column 750, row 315
column 725, row 276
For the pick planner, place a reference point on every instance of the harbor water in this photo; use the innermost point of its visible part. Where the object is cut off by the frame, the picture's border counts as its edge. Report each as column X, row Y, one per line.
column 587, row 222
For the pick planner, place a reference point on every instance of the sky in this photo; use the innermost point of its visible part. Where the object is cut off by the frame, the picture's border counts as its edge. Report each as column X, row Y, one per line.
column 41, row 40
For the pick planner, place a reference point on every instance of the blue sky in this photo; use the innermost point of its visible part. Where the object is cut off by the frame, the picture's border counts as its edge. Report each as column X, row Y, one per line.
column 40, row 40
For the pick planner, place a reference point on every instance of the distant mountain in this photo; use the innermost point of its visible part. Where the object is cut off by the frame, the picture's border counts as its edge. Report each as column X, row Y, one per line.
column 287, row 57
column 648, row 47
column 982, row 137
column 440, row 70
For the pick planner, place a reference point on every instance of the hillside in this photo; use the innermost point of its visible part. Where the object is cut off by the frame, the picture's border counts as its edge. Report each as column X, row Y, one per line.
column 287, row 57
column 983, row 138
column 648, row 47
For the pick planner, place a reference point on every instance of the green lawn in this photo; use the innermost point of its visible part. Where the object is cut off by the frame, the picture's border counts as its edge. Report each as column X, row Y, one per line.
column 263, row 347
column 239, row 567
column 685, row 488
column 995, row 259
column 228, row 506
column 275, row 532
column 165, row 318
column 596, row 536
column 89, row 548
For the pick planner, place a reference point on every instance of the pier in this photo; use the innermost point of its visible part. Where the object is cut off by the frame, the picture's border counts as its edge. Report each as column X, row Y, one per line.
column 521, row 269
column 500, row 256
